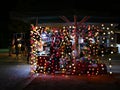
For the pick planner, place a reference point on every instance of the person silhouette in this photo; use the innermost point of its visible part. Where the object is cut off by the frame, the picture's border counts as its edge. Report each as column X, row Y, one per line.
column 17, row 42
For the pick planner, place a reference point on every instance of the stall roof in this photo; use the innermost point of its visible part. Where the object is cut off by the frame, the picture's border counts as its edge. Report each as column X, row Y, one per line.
column 63, row 18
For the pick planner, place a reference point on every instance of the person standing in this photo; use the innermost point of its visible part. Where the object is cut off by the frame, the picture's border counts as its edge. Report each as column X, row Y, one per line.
column 17, row 48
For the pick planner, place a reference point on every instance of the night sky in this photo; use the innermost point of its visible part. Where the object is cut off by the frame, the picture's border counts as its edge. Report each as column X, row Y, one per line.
column 58, row 7
column 96, row 6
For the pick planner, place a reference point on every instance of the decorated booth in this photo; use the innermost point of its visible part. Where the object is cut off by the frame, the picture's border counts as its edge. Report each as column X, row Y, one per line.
column 70, row 50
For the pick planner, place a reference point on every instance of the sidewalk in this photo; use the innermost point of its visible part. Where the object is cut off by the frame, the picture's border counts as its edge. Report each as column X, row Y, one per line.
column 6, row 59
column 12, row 71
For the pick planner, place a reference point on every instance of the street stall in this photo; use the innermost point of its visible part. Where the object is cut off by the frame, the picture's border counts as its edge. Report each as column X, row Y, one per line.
column 69, row 51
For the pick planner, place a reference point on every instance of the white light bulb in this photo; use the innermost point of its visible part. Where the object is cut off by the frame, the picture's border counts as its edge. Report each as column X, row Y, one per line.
column 110, row 72
column 111, row 24
column 102, row 25
column 110, row 66
column 109, row 59
column 107, row 28
column 111, row 45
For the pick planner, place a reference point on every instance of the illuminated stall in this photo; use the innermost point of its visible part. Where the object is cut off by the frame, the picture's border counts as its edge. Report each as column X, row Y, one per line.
column 69, row 51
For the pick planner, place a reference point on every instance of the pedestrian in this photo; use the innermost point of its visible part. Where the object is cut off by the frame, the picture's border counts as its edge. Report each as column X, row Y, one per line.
column 17, row 48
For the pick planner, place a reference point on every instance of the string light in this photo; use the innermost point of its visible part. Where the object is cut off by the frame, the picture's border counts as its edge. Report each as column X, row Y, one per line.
column 111, row 24
column 51, row 68
column 107, row 28
column 112, row 52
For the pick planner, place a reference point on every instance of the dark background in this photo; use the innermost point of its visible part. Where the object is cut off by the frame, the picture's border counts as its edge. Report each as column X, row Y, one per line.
column 28, row 8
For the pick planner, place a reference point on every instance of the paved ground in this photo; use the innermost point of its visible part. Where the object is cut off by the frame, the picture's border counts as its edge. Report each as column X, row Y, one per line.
column 12, row 71
column 15, row 75
column 10, row 75
column 58, row 82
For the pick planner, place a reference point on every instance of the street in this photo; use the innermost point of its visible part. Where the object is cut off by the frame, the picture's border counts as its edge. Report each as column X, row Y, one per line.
column 12, row 71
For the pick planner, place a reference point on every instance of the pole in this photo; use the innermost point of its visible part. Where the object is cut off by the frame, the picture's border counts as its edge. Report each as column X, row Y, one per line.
column 37, row 21
column 76, row 36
